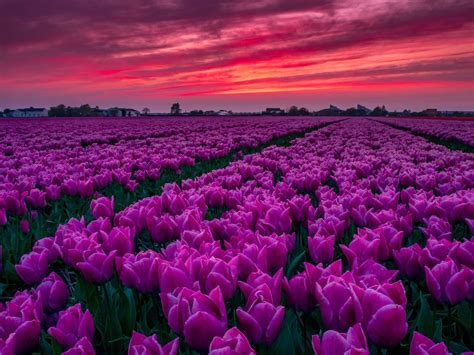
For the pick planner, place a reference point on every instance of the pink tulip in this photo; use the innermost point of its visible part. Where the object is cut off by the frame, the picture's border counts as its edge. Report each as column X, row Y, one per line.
column 102, row 207
column 54, row 293
column 258, row 279
column 447, row 283
column 187, row 311
column 421, row 345
column 82, row 347
column 140, row 271
column 321, row 249
column 85, row 188
column 53, row 192
column 142, row 345
column 298, row 291
column 260, row 320
column 73, row 325
column 173, row 277
column 97, row 266
column 334, row 343
column 407, row 261
column 339, row 307
column 384, row 316
column 119, row 239
column 162, row 229
column 277, row 220
column 33, row 267
column 37, row 199
column 234, row 342
column 212, row 272
column 437, row 228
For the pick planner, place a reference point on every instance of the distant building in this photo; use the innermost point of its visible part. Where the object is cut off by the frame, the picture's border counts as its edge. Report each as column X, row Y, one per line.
column 224, row 113
column 30, row 112
column 175, row 109
column 364, row 111
column 331, row 111
column 97, row 112
column 120, row 112
column 274, row 111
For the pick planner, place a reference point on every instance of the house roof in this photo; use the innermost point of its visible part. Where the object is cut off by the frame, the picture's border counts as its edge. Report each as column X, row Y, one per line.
column 31, row 109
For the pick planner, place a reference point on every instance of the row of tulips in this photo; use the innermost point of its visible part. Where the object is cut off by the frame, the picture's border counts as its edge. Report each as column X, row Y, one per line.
column 461, row 131
column 236, row 231
column 34, row 176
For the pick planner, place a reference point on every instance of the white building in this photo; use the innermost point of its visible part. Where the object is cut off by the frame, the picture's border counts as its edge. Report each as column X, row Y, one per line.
column 121, row 112
column 30, row 112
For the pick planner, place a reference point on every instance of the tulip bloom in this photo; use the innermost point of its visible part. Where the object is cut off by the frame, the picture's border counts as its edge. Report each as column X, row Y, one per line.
column 33, row 267
column 54, row 293
column 384, row 316
column 334, row 343
column 121, row 239
column 339, row 307
column 258, row 278
column 97, row 266
column 260, row 320
column 212, row 272
column 196, row 316
column 37, row 199
column 407, row 261
column 299, row 293
column 142, row 345
column 172, row 277
column 234, row 342
column 53, row 192
column 277, row 220
column 321, row 249
column 102, row 207
column 447, row 283
column 140, row 271
column 73, row 324
column 438, row 228
column 82, row 347
column 421, row 345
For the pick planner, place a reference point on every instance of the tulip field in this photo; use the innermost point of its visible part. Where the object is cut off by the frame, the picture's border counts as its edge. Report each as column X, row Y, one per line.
column 237, row 235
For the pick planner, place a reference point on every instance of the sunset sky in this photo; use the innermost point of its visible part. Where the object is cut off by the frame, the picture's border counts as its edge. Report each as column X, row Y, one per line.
column 240, row 55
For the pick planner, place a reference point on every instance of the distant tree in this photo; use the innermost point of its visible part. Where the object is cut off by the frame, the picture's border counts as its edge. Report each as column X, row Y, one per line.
column 146, row 111
column 85, row 110
column 303, row 111
column 379, row 111
column 293, row 111
column 351, row 112
column 57, row 111
column 175, row 109
column 196, row 113
column 7, row 112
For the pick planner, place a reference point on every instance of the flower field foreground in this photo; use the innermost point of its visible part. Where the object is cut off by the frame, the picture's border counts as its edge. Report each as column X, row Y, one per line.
column 356, row 238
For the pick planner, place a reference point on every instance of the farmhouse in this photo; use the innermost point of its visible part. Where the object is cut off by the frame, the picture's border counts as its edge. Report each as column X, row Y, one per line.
column 30, row 112
column 274, row 111
column 121, row 112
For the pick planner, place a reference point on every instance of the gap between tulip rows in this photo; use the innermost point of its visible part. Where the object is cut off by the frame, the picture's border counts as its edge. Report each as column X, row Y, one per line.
column 59, row 212
column 453, row 144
